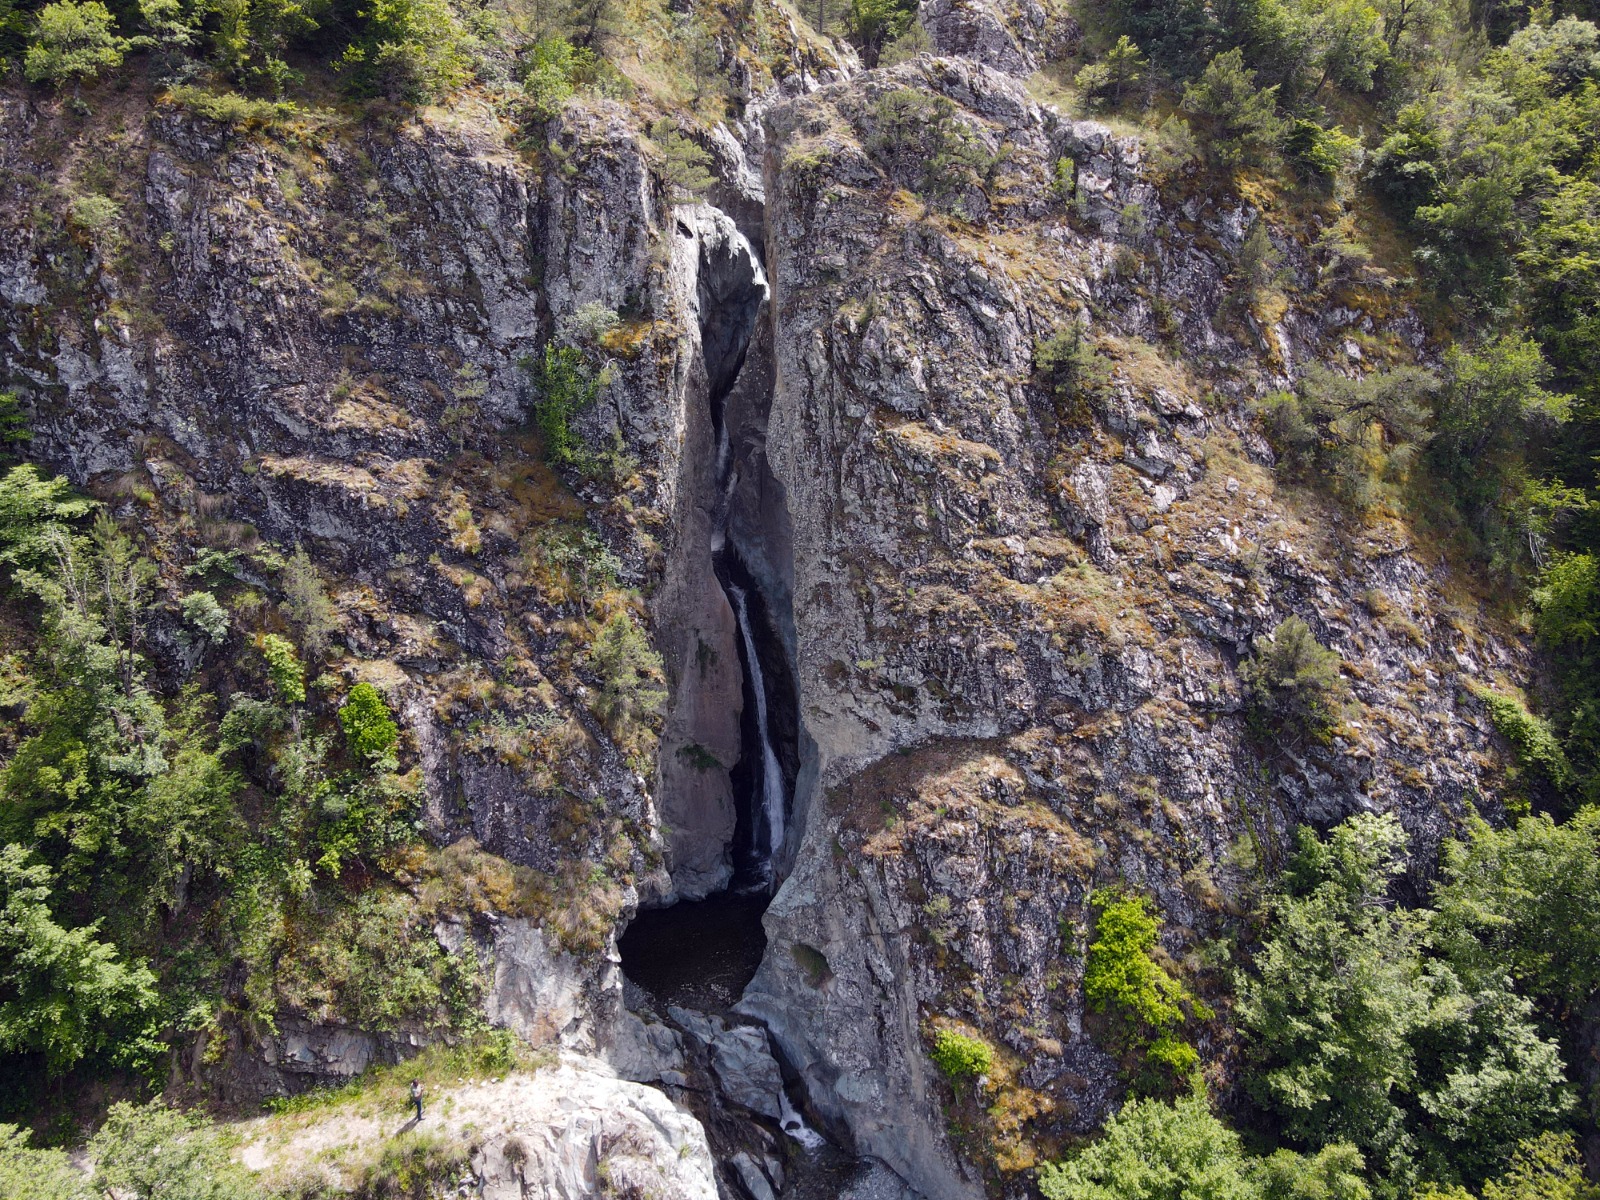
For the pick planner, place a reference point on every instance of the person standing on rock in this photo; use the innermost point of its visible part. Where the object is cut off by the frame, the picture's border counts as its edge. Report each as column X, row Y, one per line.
column 416, row 1096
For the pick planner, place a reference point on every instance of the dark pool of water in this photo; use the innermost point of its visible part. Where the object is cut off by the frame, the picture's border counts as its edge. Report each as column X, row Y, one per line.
column 699, row 954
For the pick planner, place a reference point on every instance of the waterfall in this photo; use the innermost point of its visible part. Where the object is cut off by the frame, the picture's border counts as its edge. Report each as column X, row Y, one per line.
column 772, row 788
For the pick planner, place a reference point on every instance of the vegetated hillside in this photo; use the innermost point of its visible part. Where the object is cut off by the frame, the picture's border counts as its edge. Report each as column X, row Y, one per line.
column 1159, row 444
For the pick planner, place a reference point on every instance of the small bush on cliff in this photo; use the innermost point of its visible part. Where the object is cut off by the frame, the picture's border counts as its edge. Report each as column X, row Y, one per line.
column 1294, row 688
column 284, row 668
column 368, row 727
column 631, row 677
column 1356, row 437
column 1069, row 367
column 685, row 167
column 1146, row 1004
column 960, row 1056
column 564, row 385
column 1242, row 118
column 1540, row 759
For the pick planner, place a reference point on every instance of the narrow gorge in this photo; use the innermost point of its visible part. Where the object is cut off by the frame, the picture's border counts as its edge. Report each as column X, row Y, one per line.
column 697, row 585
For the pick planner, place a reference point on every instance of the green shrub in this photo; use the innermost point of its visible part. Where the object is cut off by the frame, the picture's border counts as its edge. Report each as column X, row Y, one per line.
column 418, row 1166
column 201, row 610
column 1243, row 120
column 1122, row 979
column 874, row 24
column 409, row 50
column 14, row 428
column 1537, row 749
column 64, row 994
column 1321, row 155
column 284, row 668
column 368, row 728
column 960, row 1056
column 373, row 961
column 925, row 146
column 1568, row 627
column 1293, row 686
column 1069, row 366
column 1155, row 1151
column 1358, row 1032
column 306, row 604
column 230, row 108
column 630, row 674
column 250, row 37
column 29, row 1174
column 564, row 386
column 551, row 76
column 1355, row 437
column 685, row 167
column 1106, row 81
column 34, row 513
column 153, row 1152
column 73, row 41
column 97, row 216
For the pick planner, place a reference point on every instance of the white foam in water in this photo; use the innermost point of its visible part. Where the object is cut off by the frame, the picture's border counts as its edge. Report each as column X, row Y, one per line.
column 795, row 1126
column 772, row 773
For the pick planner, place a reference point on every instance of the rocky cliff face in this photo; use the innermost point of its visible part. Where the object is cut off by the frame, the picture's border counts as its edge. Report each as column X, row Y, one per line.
column 1018, row 635
column 1001, row 638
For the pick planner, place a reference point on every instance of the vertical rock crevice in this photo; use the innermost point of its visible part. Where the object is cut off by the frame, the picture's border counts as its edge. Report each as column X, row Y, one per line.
column 733, row 748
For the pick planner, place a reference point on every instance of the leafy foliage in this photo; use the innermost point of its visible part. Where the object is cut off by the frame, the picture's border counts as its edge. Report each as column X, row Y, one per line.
column 925, row 146
column 1122, row 978
column 368, row 726
column 1526, row 901
column 153, row 1152
column 63, row 993
column 407, row 50
column 684, row 165
column 75, row 40
column 564, row 386
column 961, row 1056
column 1073, row 371
column 287, row 672
column 1295, row 691
column 1360, row 1033
column 1537, row 748
column 1152, row 1150
column 372, row 963
column 29, row 1174
column 1568, row 627
column 630, row 676
column 1241, row 117
column 1355, row 436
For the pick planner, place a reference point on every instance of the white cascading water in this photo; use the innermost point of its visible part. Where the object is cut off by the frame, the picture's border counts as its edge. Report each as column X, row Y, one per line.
column 771, row 773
